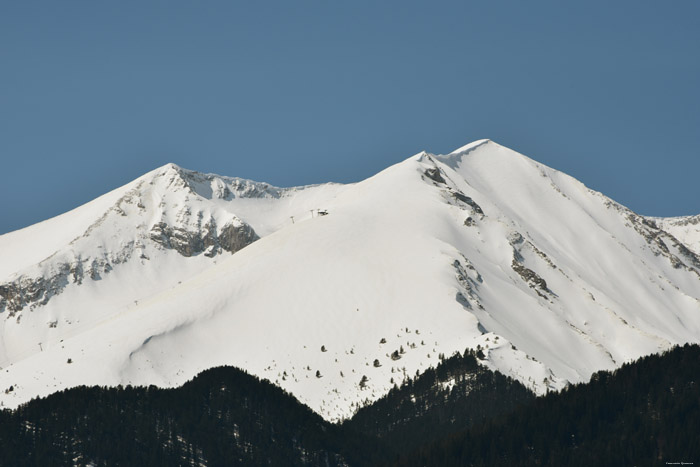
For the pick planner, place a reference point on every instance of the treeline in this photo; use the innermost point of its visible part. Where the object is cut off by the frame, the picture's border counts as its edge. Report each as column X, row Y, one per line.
column 460, row 413
column 645, row 413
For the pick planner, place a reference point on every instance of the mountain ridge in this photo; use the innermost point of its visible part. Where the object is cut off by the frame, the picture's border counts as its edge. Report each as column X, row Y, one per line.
column 349, row 289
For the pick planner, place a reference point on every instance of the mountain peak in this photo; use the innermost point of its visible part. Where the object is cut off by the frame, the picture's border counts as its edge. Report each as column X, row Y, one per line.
column 170, row 167
column 455, row 158
column 470, row 147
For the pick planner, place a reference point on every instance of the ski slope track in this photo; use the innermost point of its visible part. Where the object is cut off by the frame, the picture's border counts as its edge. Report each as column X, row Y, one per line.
column 338, row 292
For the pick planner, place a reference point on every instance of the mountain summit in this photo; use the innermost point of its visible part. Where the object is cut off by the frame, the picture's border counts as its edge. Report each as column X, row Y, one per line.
column 338, row 292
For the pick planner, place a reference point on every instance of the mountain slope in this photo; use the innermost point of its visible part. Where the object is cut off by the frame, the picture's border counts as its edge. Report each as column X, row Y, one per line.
column 481, row 248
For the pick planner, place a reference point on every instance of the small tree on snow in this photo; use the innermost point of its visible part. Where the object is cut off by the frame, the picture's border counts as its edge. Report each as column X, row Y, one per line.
column 318, row 374
column 363, row 381
column 376, row 363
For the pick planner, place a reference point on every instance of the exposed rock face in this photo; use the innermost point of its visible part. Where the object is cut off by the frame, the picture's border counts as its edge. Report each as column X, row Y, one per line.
column 686, row 229
column 469, row 280
column 453, row 194
column 663, row 243
column 187, row 243
column 232, row 237
column 530, row 276
column 434, row 174
column 462, row 198
column 535, row 281
column 35, row 291
column 15, row 295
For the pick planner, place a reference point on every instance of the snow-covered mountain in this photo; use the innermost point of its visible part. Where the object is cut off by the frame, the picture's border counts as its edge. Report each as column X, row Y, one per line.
column 336, row 292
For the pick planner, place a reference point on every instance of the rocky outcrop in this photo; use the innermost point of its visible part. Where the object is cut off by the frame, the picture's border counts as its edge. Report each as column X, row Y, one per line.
column 185, row 242
column 531, row 277
column 453, row 194
column 433, row 173
column 520, row 244
column 535, row 281
column 17, row 294
column 36, row 291
column 26, row 291
column 469, row 280
column 233, row 236
column 659, row 240
column 462, row 198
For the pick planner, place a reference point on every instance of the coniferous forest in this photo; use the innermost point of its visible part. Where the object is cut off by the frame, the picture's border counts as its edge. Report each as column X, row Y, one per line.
column 645, row 413
column 460, row 413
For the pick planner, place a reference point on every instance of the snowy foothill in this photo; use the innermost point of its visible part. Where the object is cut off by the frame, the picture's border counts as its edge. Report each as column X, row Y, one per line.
column 338, row 292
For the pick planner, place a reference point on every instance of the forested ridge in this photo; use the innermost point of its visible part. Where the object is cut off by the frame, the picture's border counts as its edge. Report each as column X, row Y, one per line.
column 224, row 416
column 460, row 413
column 458, row 394
column 644, row 413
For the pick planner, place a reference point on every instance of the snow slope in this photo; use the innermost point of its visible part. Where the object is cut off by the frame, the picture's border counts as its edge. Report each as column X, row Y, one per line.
column 481, row 248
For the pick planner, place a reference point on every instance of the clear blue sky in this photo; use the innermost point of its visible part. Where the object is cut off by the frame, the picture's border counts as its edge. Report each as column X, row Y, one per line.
column 93, row 93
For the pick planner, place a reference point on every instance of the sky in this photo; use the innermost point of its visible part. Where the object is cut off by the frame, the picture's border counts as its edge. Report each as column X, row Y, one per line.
column 95, row 94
